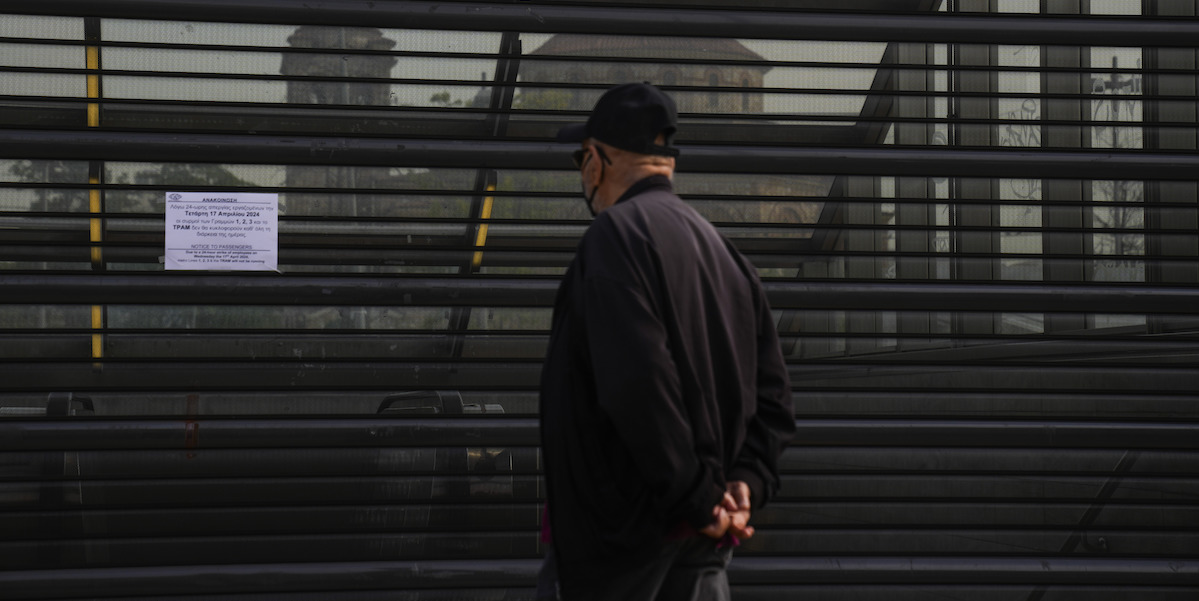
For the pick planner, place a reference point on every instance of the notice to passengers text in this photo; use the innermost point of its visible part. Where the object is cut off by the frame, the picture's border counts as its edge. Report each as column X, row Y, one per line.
column 222, row 231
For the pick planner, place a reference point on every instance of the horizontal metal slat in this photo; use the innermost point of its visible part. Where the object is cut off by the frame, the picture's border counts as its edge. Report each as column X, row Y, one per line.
column 415, row 123
column 888, row 540
column 271, row 492
column 992, row 461
column 407, row 546
column 284, row 290
column 162, row 493
column 974, row 592
column 780, row 253
column 871, row 516
column 380, row 461
column 1093, row 404
column 200, row 433
column 490, row 345
column 636, row 20
column 91, row 374
column 895, row 64
column 194, row 376
column 843, row 592
column 965, row 571
column 390, row 461
column 493, row 291
column 989, row 489
column 978, row 378
column 269, row 433
column 465, row 117
column 259, row 521
column 147, row 552
column 274, row 577
column 411, row 594
column 500, row 345
column 506, row 154
column 861, row 516
column 997, row 433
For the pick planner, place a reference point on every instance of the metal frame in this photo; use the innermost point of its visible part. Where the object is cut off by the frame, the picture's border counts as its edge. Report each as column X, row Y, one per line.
column 549, row 18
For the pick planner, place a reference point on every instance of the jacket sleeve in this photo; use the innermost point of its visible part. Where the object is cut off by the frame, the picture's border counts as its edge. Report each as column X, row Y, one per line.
column 773, row 424
column 637, row 386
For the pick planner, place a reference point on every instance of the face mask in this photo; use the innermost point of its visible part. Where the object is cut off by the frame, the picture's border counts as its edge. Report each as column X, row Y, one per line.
column 589, row 199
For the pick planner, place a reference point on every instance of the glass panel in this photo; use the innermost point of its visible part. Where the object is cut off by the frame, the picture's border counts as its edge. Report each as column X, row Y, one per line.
column 48, row 199
column 44, row 316
column 510, row 318
column 1124, row 218
column 1018, row 6
column 1115, row 7
column 44, row 84
column 43, row 56
column 374, row 54
column 1021, row 114
column 1124, row 87
column 1021, row 323
column 41, row 28
column 1023, row 238
column 732, row 64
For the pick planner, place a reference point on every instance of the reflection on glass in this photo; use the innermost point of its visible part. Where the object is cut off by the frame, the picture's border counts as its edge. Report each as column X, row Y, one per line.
column 230, row 317
column 1123, row 218
column 1122, row 86
column 44, row 316
column 722, row 65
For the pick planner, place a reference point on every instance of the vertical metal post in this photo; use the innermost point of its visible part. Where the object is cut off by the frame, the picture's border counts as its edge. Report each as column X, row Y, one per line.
column 95, row 177
column 1061, row 218
column 915, row 215
column 976, row 205
column 1172, row 85
column 1173, row 212
column 502, row 92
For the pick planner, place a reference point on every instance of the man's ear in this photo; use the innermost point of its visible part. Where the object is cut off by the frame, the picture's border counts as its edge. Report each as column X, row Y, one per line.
column 593, row 169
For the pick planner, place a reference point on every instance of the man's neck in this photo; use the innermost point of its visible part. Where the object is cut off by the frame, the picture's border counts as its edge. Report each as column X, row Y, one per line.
column 613, row 191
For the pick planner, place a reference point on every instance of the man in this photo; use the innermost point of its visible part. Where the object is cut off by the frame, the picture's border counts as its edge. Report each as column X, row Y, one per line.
column 665, row 402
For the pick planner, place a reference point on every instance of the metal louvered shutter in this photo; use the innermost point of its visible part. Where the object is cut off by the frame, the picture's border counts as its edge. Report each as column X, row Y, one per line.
column 977, row 221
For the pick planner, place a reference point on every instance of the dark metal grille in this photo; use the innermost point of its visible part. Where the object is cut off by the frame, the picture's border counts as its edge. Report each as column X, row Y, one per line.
column 977, row 221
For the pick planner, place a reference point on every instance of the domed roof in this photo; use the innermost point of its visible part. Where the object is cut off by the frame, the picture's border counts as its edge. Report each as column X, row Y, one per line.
column 610, row 46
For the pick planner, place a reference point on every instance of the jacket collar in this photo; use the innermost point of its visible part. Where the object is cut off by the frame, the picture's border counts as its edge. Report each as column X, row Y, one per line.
column 650, row 183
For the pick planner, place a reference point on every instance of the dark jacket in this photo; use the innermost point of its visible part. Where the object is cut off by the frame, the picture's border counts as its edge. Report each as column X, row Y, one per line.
column 664, row 379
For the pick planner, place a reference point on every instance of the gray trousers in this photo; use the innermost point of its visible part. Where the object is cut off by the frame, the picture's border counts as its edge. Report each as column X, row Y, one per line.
column 690, row 569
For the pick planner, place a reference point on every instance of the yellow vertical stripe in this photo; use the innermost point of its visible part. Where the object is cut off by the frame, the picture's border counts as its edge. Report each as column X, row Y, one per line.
column 93, row 120
column 96, row 226
column 97, row 339
column 94, row 204
column 481, row 237
column 93, row 86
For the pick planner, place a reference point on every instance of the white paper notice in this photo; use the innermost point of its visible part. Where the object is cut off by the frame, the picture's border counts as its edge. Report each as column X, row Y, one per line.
column 222, row 231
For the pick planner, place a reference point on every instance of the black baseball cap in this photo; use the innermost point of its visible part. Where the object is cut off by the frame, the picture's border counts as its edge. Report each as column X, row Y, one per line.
column 629, row 117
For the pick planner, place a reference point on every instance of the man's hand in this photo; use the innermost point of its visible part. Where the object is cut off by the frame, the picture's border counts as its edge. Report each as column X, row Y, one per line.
column 737, row 505
column 732, row 514
column 721, row 520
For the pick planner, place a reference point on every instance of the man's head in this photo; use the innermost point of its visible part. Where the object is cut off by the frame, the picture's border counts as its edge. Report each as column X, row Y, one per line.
column 630, row 117
column 626, row 139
